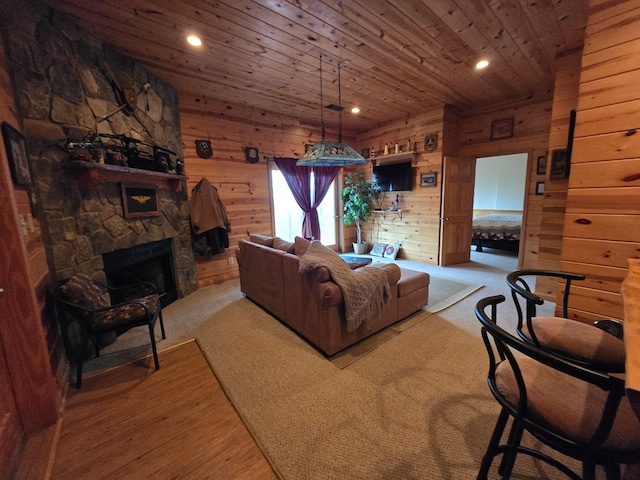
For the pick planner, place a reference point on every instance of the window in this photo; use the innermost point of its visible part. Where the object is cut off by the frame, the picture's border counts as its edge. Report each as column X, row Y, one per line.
column 288, row 216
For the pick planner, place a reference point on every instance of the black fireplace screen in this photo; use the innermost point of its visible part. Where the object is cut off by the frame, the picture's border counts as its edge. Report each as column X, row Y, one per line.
column 151, row 262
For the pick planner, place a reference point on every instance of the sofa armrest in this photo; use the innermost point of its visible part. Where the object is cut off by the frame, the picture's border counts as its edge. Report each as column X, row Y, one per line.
column 392, row 270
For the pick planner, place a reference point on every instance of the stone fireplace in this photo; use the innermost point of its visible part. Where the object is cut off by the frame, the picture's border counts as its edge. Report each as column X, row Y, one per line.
column 62, row 94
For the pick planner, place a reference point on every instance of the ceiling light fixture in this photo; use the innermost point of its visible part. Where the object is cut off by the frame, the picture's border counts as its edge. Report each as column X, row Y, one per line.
column 482, row 64
column 327, row 154
column 355, row 110
column 194, row 40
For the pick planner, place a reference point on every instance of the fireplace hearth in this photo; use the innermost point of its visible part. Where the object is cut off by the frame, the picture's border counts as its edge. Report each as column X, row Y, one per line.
column 151, row 262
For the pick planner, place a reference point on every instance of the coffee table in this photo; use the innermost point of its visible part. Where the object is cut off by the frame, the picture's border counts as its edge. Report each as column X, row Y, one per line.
column 355, row 262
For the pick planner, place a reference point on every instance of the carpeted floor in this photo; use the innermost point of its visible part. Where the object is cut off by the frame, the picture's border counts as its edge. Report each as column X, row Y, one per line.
column 415, row 407
column 443, row 293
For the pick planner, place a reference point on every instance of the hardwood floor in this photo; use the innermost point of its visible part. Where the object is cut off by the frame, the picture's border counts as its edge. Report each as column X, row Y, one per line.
column 132, row 422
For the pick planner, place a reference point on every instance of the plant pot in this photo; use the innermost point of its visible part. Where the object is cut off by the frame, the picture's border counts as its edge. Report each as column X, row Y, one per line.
column 359, row 248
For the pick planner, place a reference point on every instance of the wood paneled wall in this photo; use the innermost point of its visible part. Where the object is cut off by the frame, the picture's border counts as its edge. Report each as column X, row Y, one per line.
column 419, row 228
column 244, row 188
column 531, row 135
column 602, row 222
column 22, row 336
column 565, row 99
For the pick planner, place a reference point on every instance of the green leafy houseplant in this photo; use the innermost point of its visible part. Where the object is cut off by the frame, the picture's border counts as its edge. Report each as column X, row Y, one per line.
column 357, row 195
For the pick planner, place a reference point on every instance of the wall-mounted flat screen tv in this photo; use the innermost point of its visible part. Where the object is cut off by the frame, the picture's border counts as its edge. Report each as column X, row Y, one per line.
column 394, row 177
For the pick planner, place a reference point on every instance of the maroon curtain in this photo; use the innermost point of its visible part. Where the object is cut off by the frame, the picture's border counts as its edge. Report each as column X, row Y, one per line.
column 322, row 178
column 299, row 181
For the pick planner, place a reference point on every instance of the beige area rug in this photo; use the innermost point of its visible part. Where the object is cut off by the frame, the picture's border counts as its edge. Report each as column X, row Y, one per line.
column 443, row 293
column 417, row 407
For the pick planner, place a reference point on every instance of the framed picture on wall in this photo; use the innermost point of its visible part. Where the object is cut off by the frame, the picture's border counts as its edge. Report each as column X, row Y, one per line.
column 17, row 155
column 542, row 165
column 502, row 128
column 539, row 188
column 559, row 165
column 428, row 179
column 140, row 200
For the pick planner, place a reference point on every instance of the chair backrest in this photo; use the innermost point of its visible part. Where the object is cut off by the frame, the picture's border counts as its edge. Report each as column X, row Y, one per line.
column 526, row 302
column 80, row 290
column 78, row 342
column 503, row 346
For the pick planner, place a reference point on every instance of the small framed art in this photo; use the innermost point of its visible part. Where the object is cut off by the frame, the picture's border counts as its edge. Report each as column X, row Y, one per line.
column 139, row 200
column 559, row 165
column 542, row 165
column 539, row 188
column 502, row 128
column 428, row 179
column 17, row 155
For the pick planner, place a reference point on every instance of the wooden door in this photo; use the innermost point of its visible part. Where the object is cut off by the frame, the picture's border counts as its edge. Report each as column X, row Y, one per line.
column 458, row 180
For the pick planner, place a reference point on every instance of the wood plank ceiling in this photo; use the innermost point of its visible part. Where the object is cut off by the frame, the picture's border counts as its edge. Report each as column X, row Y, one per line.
column 400, row 57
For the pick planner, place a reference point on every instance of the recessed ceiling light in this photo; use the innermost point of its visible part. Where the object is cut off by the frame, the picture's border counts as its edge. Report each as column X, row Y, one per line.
column 355, row 110
column 194, row 40
column 482, row 64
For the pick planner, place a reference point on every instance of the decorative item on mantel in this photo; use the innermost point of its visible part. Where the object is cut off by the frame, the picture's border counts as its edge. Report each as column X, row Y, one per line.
column 123, row 151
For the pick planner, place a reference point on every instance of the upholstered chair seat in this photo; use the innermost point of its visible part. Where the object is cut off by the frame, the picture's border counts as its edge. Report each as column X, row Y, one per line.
column 572, row 408
column 567, row 405
column 598, row 344
column 580, row 340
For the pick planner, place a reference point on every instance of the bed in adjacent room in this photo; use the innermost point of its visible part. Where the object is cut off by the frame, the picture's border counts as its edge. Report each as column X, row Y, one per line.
column 497, row 230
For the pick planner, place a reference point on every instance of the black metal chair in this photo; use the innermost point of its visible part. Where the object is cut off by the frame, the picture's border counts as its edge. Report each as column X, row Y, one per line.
column 599, row 345
column 85, row 315
column 578, row 411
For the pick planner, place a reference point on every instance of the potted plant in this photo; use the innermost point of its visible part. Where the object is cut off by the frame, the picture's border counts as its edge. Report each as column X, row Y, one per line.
column 357, row 195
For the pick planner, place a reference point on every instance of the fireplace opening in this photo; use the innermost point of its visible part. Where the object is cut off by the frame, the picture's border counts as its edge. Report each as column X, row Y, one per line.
column 151, row 262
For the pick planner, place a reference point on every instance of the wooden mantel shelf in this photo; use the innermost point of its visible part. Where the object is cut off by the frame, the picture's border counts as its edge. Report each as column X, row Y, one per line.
column 89, row 175
column 395, row 158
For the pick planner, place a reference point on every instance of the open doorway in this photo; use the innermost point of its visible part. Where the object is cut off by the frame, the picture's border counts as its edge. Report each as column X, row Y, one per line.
column 498, row 205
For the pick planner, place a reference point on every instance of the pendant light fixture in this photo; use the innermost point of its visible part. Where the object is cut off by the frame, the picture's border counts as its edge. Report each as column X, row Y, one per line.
column 329, row 154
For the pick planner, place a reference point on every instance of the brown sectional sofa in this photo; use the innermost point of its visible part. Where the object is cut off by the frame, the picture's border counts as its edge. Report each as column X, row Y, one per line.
column 312, row 304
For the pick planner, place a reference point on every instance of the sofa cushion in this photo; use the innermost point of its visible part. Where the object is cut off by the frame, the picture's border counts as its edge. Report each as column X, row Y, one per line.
column 410, row 281
column 392, row 270
column 283, row 245
column 378, row 249
column 301, row 245
column 265, row 240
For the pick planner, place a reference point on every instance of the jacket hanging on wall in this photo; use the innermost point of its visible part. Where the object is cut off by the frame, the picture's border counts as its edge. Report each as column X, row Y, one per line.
column 209, row 221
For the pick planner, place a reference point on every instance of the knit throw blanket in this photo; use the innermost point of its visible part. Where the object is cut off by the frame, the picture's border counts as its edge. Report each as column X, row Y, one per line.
column 366, row 291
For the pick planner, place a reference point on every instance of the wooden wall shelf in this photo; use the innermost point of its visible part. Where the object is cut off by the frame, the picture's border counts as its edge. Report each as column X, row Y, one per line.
column 396, row 158
column 397, row 213
column 89, row 175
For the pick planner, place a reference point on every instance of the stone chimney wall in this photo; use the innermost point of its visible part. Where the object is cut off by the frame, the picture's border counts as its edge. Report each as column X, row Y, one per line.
column 62, row 92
